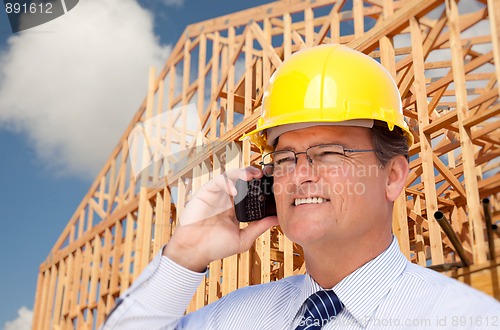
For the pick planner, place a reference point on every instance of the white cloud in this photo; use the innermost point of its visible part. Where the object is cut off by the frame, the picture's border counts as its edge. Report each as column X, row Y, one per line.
column 72, row 85
column 177, row 3
column 23, row 321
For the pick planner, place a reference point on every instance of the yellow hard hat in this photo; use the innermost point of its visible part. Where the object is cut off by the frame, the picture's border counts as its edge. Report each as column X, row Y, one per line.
column 324, row 85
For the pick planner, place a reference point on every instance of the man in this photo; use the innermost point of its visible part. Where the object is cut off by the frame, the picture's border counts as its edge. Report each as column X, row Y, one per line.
column 335, row 140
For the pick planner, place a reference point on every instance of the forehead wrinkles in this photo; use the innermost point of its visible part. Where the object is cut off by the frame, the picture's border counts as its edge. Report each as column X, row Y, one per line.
column 284, row 147
column 304, row 138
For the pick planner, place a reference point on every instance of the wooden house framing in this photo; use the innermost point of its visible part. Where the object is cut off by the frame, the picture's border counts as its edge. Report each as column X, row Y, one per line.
column 446, row 63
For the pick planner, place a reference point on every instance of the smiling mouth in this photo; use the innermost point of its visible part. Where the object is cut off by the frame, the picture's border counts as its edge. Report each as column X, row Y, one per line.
column 310, row 200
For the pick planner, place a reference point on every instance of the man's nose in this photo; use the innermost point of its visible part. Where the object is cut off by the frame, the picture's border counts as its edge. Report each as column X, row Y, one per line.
column 304, row 170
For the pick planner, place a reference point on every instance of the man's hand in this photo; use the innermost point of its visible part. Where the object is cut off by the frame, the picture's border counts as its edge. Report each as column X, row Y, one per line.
column 208, row 228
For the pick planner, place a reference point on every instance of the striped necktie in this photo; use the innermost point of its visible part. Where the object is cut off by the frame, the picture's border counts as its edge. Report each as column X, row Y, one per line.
column 320, row 307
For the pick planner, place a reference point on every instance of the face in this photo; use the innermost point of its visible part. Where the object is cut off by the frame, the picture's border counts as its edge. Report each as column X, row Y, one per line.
column 343, row 204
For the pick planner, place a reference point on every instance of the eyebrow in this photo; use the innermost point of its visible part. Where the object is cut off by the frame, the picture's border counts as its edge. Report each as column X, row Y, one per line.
column 285, row 148
column 319, row 144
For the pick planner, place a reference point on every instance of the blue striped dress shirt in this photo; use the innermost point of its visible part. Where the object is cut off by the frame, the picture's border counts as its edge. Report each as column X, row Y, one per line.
column 387, row 292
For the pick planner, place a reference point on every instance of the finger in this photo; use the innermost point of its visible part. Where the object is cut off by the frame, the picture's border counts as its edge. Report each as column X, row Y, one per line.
column 225, row 182
column 246, row 174
column 221, row 183
column 254, row 229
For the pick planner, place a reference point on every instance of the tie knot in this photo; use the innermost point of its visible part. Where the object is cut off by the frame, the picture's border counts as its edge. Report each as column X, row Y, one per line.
column 324, row 303
column 320, row 307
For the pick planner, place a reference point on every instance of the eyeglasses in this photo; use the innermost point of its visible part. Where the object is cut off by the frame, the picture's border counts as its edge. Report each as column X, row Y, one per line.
column 329, row 156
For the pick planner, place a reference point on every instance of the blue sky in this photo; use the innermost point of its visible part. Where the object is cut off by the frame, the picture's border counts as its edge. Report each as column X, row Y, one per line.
column 44, row 170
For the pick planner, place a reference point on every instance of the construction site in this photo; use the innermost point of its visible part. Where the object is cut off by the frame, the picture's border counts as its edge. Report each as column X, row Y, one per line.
column 446, row 64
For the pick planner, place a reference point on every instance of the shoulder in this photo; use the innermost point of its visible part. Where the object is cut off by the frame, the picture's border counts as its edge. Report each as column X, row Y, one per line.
column 255, row 300
column 255, row 306
column 446, row 292
column 290, row 283
column 437, row 280
column 266, row 292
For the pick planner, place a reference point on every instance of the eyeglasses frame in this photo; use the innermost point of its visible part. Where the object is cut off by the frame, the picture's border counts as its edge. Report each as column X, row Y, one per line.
column 309, row 159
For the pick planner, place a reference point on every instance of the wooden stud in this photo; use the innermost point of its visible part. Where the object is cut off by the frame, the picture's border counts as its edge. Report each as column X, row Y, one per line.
column 104, row 297
column 426, row 147
column 214, row 284
column 244, row 258
column 214, row 83
column 48, row 320
column 264, row 38
column 143, row 239
column 94, row 278
column 42, row 314
column 479, row 252
column 357, row 10
column 399, row 217
column 230, row 81
column 287, row 34
column 230, row 264
column 335, row 26
column 201, row 74
column 249, row 81
column 59, row 294
column 419, row 238
column 158, row 131
column 223, row 86
column 125, row 276
column 309, row 20
column 494, row 17
column 38, row 299
column 68, row 277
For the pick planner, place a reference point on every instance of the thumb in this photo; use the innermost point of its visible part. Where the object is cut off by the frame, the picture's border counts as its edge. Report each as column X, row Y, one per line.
column 254, row 229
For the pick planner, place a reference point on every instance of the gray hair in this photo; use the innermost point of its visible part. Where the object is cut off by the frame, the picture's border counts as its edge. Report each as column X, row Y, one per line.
column 388, row 144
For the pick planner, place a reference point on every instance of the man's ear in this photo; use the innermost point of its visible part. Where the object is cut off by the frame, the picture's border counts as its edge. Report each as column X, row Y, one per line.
column 397, row 172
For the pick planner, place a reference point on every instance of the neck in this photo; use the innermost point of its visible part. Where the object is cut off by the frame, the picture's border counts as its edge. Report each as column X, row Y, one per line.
column 328, row 265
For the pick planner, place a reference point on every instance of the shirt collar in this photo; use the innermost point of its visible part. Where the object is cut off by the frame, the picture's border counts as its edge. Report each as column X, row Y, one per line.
column 363, row 290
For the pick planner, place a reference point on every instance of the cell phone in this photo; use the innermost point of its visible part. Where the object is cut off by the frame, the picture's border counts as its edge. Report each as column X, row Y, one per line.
column 255, row 199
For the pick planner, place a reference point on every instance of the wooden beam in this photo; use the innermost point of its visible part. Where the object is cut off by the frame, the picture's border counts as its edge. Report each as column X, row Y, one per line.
column 426, row 152
column 327, row 25
column 445, row 172
column 469, row 66
column 494, row 17
column 479, row 247
column 443, row 121
column 268, row 50
column 393, row 24
column 482, row 117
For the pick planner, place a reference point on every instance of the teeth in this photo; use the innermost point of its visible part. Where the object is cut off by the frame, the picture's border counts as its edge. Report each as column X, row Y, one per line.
column 310, row 200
